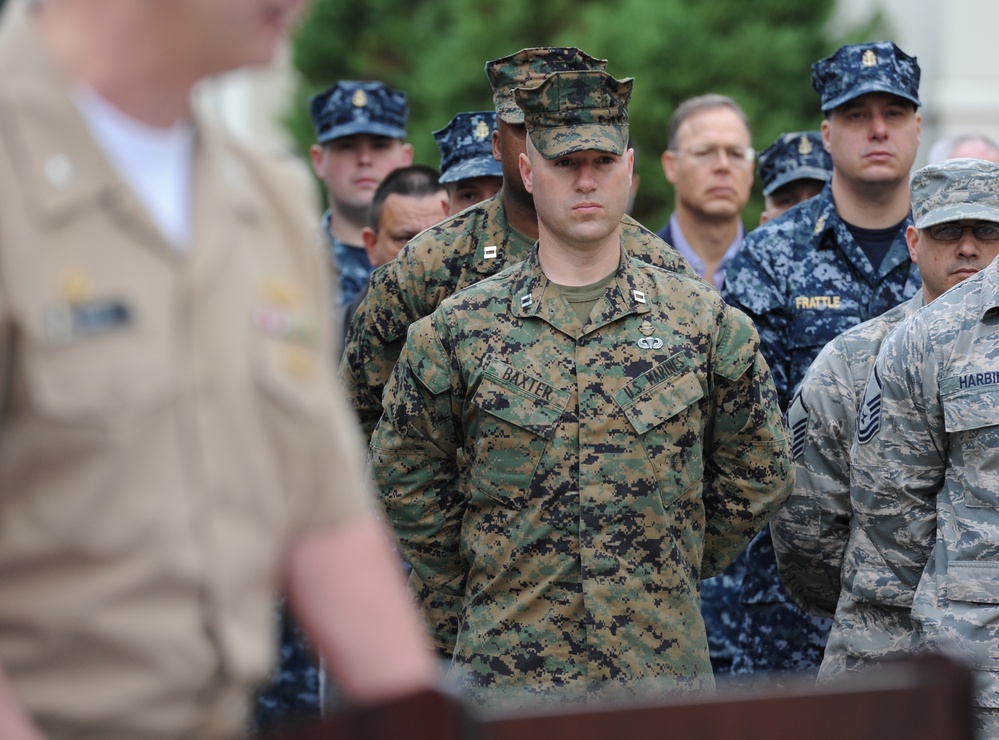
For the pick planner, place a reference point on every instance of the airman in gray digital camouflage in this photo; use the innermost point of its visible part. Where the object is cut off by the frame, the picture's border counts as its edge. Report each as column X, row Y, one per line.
column 924, row 481
column 461, row 250
column 826, row 561
column 826, row 265
column 569, row 446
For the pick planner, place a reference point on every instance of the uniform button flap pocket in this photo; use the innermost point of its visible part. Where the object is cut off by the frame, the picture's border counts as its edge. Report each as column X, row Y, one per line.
column 521, row 399
column 658, row 395
column 970, row 401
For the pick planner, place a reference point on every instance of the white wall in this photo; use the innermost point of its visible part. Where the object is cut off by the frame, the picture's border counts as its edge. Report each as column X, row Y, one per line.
column 954, row 42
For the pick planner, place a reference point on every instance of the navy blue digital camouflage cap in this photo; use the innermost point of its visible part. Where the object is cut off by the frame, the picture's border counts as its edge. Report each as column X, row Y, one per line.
column 351, row 107
column 577, row 111
column 466, row 145
column 529, row 67
column 858, row 69
column 795, row 156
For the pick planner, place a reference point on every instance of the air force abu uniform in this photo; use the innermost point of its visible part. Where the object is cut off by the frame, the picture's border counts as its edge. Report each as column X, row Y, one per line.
column 815, row 535
column 925, row 479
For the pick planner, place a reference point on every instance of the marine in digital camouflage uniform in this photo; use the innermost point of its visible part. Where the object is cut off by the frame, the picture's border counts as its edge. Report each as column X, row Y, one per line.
column 924, row 484
column 570, row 462
column 472, row 245
column 469, row 170
column 806, row 277
column 815, row 535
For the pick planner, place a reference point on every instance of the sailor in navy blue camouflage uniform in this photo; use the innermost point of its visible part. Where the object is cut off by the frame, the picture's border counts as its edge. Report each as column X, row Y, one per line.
column 794, row 168
column 360, row 127
column 360, row 137
column 470, row 168
column 824, row 266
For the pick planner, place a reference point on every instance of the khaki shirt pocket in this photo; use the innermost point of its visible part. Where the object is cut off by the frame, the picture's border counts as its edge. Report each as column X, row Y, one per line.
column 99, row 365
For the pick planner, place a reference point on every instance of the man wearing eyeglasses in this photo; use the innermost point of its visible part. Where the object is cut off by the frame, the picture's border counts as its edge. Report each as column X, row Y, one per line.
column 824, row 266
column 827, row 562
column 923, row 464
column 709, row 162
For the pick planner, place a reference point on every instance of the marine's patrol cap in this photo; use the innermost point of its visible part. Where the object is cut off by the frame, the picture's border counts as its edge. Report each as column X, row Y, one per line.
column 955, row 189
column 466, row 145
column 796, row 156
column 529, row 67
column 858, row 69
column 351, row 107
column 575, row 111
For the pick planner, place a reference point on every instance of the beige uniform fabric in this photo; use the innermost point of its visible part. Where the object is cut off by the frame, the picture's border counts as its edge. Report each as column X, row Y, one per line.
column 171, row 422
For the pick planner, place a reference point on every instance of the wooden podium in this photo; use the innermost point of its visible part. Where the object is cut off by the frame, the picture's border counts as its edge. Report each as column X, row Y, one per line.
column 921, row 698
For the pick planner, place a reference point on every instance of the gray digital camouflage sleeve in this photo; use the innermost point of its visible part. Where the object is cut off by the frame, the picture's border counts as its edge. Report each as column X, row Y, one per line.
column 898, row 461
column 811, row 531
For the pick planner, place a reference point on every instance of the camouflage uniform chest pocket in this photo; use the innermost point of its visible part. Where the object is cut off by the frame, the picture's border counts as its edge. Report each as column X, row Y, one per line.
column 971, row 413
column 669, row 421
column 521, row 415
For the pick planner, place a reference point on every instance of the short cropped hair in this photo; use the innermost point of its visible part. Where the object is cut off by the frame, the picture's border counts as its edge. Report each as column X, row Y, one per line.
column 414, row 181
column 689, row 107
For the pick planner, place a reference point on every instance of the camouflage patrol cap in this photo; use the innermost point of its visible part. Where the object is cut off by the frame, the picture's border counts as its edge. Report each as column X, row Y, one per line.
column 529, row 67
column 573, row 111
column 858, row 69
column 955, row 189
column 795, row 156
column 466, row 145
column 351, row 107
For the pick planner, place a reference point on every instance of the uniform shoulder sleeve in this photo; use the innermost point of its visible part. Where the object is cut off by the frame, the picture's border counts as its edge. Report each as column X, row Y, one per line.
column 811, row 530
column 898, row 456
column 748, row 468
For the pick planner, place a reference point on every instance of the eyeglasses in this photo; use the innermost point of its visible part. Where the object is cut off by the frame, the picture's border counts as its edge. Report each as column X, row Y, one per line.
column 737, row 155
column 985, row 231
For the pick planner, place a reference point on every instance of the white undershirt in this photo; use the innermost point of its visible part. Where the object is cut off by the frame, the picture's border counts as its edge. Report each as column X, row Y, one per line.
column 156, row 162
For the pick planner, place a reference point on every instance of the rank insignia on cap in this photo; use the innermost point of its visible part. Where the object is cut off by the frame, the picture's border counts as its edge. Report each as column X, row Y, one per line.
column 360, row 98
column 646, row 328
column 482, row 131
column 869, row 58
column 804, row 145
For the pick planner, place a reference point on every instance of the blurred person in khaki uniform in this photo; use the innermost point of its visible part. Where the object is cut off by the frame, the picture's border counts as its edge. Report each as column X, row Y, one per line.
column 172, row 449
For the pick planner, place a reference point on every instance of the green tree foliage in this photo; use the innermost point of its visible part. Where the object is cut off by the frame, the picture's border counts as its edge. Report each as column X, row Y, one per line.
column 759, row 53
